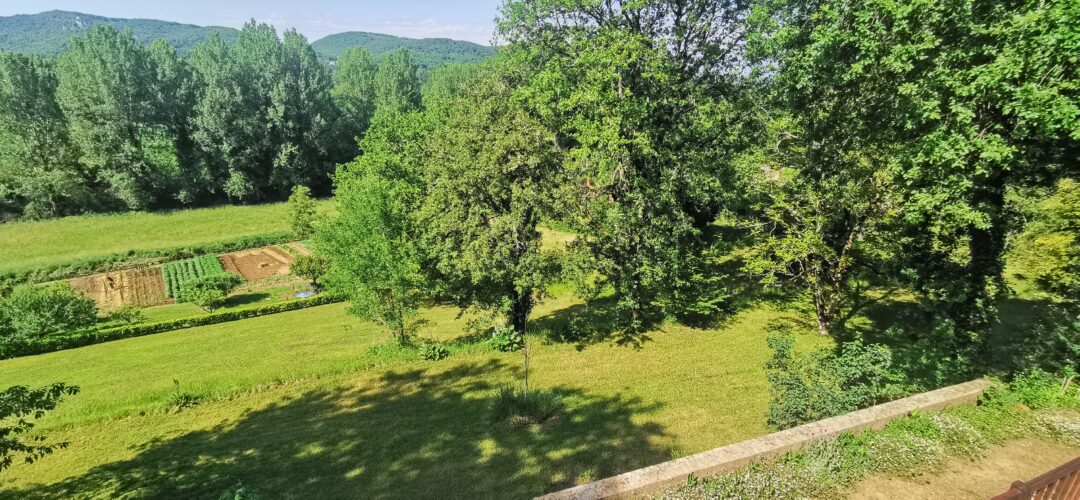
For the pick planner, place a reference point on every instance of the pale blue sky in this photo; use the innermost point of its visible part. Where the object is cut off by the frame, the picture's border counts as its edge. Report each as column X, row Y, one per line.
column 460, row 19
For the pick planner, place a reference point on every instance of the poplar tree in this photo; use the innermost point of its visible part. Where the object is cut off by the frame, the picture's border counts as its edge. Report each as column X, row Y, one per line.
column 39, row 171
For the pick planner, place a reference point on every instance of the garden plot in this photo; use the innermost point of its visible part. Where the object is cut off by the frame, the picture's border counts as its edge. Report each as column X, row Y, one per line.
column 259, row 263
column 143, row 287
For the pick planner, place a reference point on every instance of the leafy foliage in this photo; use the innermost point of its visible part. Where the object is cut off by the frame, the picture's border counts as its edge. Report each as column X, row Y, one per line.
column 38, row 174
column 354, row 90
column 302, row 213
column 210, row 291
column 31, row 312
column 397, row 83
column 127, row 314
column 641, row 95
column 1048, row 251
column 374, row 260
column 968, row 98
column 491, row 173
column 19, row 406
column 433, row 351
column 809, row 387
column 311, row 268
column 507, row 339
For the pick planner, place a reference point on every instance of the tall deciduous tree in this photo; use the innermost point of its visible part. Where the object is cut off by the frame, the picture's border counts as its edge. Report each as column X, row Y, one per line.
column 265, row 119
column 354, row 92
column 491, row 172
column 397, row 83
column 39, row 171
column 372, row 249
column 173, row 90
column 106, row 91
column 221, row 118
column 976, row 96
column 373, row 244
column 306, row 120
column 642, row 97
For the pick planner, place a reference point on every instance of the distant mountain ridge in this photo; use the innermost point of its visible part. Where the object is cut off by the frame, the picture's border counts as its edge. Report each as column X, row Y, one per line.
column 48, row 33
column 427, row 52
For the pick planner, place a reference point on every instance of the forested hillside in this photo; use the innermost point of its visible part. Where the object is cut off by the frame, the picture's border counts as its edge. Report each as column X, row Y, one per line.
column 428, row 52
column 48, row 33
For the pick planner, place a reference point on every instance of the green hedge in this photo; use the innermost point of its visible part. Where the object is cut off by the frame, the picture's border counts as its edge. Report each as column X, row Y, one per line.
column 90, row 337
column 141, row 258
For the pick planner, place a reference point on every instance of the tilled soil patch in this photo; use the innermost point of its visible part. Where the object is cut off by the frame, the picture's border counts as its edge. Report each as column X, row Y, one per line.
column 258, row 263
column 143, row 287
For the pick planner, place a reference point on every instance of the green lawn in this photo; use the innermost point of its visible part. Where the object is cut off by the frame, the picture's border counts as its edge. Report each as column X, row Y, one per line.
column 247, row 296
column 30, row 245
column 307, row 402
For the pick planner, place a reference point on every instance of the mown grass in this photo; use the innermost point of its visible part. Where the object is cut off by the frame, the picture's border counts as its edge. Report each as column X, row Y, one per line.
column 246, row 297
column 315, row 402
column 31, row 245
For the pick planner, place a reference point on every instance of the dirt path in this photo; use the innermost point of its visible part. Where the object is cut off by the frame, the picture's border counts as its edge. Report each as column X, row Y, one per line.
column 982, row 478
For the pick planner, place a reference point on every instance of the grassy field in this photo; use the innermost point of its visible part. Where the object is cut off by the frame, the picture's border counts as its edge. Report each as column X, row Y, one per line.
column 29, row 245
column 316, row 401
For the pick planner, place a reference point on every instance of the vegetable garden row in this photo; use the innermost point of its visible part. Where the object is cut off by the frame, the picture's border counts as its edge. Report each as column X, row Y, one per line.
column 179, row 273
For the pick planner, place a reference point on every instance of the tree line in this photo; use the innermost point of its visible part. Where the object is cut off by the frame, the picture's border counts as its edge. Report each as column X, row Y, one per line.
column 109, row 124
column 696, row 149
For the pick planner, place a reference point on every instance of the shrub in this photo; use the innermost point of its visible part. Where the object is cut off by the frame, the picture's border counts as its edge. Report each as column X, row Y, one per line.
column 33, row 311
column 311, row 268
column 127, row 314
column 520, row 408
column 209, row 291
column 506, row 339
column 907, row 447
column 434, row 352
column 809, row 387
column 179, row 400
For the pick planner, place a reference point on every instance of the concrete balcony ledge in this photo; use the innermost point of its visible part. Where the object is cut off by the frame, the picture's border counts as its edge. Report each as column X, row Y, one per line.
column 655, row 478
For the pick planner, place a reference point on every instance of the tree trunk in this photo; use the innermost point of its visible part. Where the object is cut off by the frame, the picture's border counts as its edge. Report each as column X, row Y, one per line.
column 824, row 312
column 520, row 307
column 986, row 266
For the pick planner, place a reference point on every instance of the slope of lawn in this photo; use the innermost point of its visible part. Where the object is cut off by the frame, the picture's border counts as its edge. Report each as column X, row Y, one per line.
column 314, row 401
column 34, row 244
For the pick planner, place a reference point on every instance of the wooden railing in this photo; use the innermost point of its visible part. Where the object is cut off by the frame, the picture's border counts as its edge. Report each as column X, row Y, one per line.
column 1062, row 483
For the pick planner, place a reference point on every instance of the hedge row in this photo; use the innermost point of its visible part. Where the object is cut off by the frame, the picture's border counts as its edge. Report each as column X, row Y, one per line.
column 97, row 336
column 135, row 258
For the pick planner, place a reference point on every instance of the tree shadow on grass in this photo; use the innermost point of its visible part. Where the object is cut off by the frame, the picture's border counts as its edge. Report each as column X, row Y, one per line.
column 917, row 346
column 410, row 434
column 246, row 298
column 593, row 322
